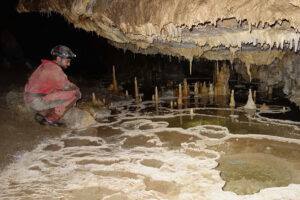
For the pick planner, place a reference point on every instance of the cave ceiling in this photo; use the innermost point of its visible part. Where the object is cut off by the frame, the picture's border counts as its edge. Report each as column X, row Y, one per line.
column 211, row 29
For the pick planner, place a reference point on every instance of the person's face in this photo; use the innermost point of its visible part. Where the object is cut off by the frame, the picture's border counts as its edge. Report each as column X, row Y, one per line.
column 64, row 62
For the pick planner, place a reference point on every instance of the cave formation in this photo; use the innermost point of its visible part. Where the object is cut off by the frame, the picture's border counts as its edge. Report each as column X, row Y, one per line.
column 190, row 141
column 259, row 38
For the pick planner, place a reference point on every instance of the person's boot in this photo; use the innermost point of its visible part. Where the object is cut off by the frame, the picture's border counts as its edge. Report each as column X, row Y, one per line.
column 46, row 122
column 38, row 117
column 43, row 121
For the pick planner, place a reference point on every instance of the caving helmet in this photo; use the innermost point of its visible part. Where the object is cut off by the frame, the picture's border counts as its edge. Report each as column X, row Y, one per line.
column 63, row 52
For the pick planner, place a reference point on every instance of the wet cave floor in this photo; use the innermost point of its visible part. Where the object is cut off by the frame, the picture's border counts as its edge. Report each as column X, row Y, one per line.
column 150, row 151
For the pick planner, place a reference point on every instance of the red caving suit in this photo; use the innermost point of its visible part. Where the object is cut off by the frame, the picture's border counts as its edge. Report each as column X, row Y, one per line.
column 50, row 84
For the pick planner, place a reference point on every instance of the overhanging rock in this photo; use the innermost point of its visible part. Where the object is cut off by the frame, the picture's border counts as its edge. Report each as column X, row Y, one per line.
column 183, row 27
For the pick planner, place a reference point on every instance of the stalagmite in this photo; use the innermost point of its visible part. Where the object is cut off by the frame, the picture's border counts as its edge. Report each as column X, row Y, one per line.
column 171, row 104
column 136, row 90
column 126, row 93
column 250, row 103
column 232, row 101
column 200, row 86
column 264, row 107
column 94, row 100
column 204, row 90
column 153, row 97
column 211, row 99
column 185, row 89
column 115, row 84
column 192, row 113
column 179, row 101
column 211, row 90
column 196, row 92
column 180, row 119
column 221, row 82
column 156, row 94
column 216, row 72
column 254, row 95
column 186, row 103
column 196, row 101
column 270, row 92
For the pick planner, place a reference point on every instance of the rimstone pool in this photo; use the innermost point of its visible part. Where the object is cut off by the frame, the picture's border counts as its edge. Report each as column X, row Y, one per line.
column 150, row 151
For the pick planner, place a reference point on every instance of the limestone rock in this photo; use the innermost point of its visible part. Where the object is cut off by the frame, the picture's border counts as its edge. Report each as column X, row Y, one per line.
column 102, row 113
column 15, row 102
column 76, row 118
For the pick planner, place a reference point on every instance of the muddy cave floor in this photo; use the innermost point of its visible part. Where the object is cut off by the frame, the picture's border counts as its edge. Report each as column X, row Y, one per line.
column 139, row 151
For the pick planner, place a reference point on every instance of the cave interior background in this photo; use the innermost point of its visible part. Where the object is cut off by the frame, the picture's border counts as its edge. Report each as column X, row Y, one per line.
column 28, row 37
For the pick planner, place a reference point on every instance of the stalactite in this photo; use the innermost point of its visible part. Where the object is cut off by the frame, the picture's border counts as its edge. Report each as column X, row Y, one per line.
column 248, row 65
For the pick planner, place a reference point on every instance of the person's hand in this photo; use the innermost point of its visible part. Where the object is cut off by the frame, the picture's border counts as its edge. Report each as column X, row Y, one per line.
column 78, row 94
column 73, row 86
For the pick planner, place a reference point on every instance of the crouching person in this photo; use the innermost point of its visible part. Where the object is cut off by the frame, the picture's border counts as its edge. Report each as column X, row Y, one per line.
column 48, row 89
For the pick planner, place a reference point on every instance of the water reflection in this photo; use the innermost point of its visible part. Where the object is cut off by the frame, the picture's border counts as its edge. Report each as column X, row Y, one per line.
column 236, row 125
column 249, row 165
